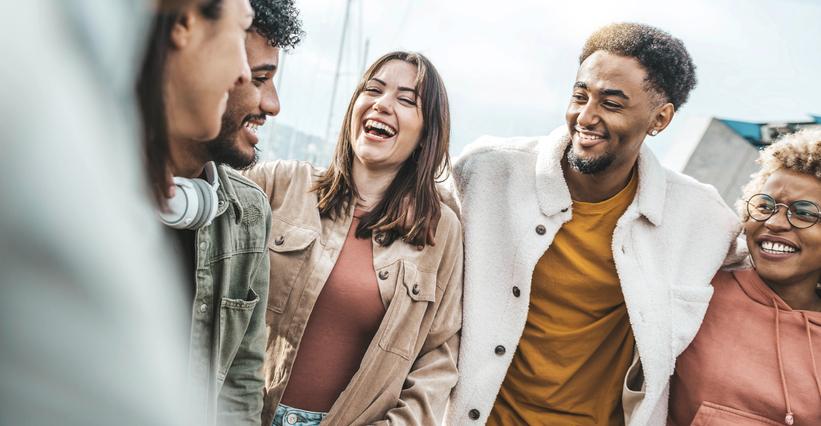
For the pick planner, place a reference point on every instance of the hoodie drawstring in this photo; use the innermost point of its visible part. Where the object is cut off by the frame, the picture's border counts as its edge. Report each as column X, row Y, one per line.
column 812, row 355
column 788, row 418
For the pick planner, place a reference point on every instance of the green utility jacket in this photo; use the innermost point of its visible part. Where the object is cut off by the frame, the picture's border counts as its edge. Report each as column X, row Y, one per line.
column 228, row 334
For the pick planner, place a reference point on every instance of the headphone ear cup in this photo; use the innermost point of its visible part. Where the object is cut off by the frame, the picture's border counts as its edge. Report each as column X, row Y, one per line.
column 181, row 209
column 207, row 204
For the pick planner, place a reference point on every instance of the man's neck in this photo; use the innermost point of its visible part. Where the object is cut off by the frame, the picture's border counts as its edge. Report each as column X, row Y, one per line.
column 371, row 184
column 595, row 188
column 187, row 158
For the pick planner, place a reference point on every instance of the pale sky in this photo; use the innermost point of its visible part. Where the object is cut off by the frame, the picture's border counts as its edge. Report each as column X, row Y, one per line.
column 509, row 66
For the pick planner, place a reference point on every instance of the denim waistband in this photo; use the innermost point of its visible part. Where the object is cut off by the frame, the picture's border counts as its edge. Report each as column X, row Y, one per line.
column 290, row 416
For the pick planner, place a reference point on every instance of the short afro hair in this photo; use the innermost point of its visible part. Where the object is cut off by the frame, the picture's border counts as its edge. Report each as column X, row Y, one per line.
column 670, row 69
column 799, row 152
column 278, row 21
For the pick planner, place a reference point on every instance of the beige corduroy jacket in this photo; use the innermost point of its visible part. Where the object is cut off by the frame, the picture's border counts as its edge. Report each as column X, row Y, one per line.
column 409, row 369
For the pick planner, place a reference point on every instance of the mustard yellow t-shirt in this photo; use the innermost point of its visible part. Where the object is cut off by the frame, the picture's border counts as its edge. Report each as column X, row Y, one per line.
column 577, row 343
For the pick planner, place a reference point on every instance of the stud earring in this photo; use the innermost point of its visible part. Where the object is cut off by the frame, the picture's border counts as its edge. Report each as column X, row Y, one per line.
column 654, row 132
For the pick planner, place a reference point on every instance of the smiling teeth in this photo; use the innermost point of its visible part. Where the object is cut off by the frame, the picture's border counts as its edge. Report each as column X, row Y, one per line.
column 590, row 137
column 253, row 127
column 373, row 124
column 778, row 248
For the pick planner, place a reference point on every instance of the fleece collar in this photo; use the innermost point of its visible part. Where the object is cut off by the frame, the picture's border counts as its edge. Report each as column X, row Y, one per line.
column 554, row 196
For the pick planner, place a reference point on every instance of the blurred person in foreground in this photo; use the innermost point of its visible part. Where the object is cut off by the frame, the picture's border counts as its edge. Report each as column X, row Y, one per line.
column 91, row 333
column 364, row 310
column 757, row 357
column 582, row 253
column 198, row 56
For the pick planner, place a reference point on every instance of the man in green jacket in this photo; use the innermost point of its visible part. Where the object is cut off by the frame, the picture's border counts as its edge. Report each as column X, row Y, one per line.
column 227, row 259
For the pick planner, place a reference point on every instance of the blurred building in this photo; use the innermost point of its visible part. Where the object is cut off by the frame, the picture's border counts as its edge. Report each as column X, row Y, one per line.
column 725, row 155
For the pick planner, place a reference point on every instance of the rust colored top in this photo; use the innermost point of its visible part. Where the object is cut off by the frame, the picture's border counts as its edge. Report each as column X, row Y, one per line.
column 755, row 361
column 342, row 324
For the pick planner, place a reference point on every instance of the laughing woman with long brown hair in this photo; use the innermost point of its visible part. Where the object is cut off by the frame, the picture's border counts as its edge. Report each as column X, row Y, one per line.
column 364, row 310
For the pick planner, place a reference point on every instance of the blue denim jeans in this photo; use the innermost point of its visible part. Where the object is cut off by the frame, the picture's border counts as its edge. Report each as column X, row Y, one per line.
column 289, row 416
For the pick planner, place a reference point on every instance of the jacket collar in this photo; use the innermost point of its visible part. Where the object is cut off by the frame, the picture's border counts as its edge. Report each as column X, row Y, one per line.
column 554, row 196
column 226, row 192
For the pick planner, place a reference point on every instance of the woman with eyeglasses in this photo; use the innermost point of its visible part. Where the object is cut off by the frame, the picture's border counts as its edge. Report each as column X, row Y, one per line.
column 757, row 357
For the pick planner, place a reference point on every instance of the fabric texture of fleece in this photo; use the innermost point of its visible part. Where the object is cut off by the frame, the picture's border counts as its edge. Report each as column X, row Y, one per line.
column 667, row 246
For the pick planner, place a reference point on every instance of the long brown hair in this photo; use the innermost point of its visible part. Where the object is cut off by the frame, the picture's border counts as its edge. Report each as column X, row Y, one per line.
column 413, row 189
column 150, row 87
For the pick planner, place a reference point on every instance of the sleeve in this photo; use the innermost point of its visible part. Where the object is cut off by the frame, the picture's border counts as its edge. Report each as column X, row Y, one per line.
column 240, row 401
column 433, row 375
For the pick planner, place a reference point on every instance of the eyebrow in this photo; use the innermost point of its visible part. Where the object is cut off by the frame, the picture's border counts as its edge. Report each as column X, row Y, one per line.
column 401, row 88
column 264, row 67
column 605, row 92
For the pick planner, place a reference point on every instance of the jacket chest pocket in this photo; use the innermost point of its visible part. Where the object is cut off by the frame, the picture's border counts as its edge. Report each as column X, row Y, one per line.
column 415, row 292
column 234, row 318
column 288, row 248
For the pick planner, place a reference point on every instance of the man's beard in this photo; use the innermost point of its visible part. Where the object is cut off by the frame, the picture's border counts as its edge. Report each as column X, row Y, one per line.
column 224, row 148
column 589, row 166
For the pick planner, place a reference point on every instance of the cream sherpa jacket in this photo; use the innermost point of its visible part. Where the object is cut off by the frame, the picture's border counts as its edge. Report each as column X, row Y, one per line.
column 667, row 246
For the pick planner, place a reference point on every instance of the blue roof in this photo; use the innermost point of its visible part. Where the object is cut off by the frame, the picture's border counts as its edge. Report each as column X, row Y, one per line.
column 747, row 130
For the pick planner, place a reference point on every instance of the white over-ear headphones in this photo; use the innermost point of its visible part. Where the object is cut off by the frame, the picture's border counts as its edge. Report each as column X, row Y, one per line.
column 194, row 203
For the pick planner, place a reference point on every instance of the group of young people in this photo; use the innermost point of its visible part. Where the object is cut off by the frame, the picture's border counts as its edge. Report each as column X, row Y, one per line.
column 564, row 279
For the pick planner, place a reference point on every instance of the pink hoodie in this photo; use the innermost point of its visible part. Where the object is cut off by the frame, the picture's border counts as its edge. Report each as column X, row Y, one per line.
column 754, row 361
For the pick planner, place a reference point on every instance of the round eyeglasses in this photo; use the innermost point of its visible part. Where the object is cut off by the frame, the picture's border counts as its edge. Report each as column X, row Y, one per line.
column 800, row 214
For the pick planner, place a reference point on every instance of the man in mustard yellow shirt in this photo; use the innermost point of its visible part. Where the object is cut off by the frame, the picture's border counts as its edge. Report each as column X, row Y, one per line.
column 582, row 251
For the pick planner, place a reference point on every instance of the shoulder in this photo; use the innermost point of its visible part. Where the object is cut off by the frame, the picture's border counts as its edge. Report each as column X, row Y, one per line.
column 250, row 196
column 492, row 147
column 281, row 174
column 244, row 187
column 449, row 220
column 699, row 201
column 681, row 185
column 490, row 160
column 726, row 283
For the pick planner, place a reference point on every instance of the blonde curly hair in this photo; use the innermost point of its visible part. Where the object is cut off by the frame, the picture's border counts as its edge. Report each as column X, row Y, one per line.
column 799, row 152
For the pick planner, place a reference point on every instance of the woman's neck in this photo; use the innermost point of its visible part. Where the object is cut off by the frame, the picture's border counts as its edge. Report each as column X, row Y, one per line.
column 370, row 184
column 800, row 295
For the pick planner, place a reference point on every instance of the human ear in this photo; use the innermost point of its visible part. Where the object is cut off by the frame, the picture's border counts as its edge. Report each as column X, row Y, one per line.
column 182, row 28
column 661, row 118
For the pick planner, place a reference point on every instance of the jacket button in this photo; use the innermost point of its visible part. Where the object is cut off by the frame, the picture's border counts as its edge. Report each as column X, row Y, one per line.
column 203, row 308
column 500, row 350
column 540, row 229
column 415, row 289
column 516, row 291
column 564, row 209
column 383, row 275
column 473, row 414
column 280, row 240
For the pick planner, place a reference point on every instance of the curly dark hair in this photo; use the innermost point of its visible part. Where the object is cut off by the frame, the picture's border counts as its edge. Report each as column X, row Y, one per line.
column 278, row 21
column 670, row 69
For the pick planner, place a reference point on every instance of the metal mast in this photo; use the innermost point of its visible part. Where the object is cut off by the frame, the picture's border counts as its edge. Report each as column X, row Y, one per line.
column 336, row 74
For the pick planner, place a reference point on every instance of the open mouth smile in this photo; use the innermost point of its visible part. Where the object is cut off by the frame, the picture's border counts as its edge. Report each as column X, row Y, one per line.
column 378, row 129
column 778, row 248
column 588, row 139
